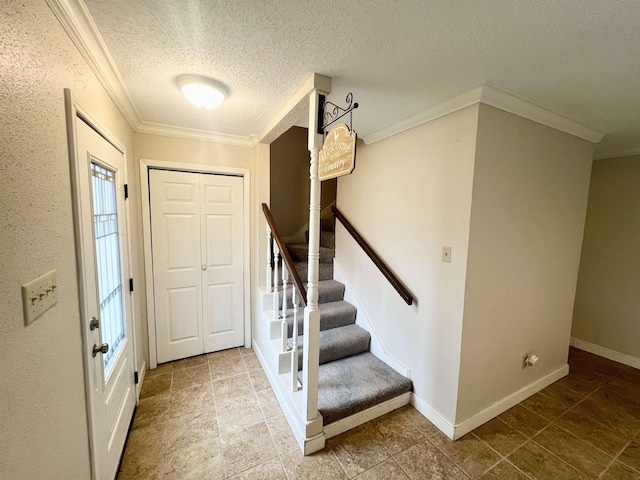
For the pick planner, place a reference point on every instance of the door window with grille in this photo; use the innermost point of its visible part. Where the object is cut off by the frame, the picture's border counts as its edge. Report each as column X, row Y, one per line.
column 107, row 238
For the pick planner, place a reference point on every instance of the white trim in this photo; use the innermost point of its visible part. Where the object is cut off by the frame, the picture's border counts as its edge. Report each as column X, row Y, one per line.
column 336, row 428
column 617, row 153
column 429, row 114
column 297, row 104
column 161, row 130
column 495, row 97
column 427, row 411
column 141, row 374
column 606, row 353
column 363, row 320
column 456, row 431
column 77, row 22
column 508, row 402
column 289, row 406
column 145, row 165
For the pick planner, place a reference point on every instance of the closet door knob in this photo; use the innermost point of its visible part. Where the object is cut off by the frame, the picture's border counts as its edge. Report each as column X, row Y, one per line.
column 204, row 267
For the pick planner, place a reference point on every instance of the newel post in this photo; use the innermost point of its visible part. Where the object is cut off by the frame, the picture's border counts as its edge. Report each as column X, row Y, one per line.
column 311, row 312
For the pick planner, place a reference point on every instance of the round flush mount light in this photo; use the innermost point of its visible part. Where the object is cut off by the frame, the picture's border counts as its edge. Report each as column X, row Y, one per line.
column 201, row 91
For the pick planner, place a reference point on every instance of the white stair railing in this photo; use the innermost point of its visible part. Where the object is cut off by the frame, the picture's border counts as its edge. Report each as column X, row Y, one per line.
column 281, row 271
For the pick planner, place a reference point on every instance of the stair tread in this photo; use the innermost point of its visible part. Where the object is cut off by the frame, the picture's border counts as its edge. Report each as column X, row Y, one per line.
column 353, row 384
column 337, row 343
column 328, row 291
column 332, row 315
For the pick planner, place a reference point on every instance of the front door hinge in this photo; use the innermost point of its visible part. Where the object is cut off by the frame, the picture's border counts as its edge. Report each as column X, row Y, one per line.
column 135, row 377
column 131, row 284
column 126, row 191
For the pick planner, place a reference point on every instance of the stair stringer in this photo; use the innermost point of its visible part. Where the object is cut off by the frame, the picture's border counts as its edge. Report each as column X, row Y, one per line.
column 310, row 436
column 362, row 320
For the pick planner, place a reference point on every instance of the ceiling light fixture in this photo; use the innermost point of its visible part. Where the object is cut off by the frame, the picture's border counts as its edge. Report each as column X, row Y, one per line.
column 203, row 92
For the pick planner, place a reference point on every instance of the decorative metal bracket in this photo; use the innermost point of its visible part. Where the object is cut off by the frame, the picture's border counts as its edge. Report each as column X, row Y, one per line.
column 329, row 113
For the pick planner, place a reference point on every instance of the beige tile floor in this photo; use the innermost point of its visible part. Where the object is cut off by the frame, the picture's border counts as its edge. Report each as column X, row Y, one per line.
column 215, row 416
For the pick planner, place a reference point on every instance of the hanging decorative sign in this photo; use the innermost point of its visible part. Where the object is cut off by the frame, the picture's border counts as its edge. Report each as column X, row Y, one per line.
column 338, row 154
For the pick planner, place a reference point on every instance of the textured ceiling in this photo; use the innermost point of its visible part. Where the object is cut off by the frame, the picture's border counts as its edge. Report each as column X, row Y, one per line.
column 578, row 58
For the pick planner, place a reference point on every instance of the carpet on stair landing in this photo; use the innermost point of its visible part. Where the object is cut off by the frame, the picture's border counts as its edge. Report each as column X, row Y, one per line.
column 353, row 384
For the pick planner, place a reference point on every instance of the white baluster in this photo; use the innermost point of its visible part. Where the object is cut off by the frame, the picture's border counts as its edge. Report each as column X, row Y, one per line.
column 276, row 302
column 294, row 350
column 269, row 276
column 284, row 327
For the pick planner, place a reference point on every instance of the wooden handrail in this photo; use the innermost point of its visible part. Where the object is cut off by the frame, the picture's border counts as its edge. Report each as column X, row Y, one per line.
column 375, row 258
column 302, row 292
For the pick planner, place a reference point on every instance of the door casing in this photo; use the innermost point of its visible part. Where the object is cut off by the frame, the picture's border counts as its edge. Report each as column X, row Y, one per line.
column 145, row 165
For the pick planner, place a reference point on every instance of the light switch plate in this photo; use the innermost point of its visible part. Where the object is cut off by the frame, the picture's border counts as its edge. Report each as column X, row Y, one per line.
column 446, row 254
column 39, row 295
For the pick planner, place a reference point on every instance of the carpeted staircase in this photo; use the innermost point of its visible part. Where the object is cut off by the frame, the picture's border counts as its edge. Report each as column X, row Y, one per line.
column 351, row 379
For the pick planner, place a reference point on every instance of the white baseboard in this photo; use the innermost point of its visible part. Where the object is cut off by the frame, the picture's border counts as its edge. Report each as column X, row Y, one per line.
column 456, row 431
column 433, row 416
column 606, row 353
column 362, row 320
column 290, row 407
column 508, row 402
column 367, row 415
column 141, row 375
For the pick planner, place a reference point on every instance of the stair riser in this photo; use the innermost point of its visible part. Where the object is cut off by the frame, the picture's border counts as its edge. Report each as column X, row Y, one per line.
column 324, row 295
column 328, row 240
column 326, row 323
column 301, row 254
column 326, row 356
column 325, row 271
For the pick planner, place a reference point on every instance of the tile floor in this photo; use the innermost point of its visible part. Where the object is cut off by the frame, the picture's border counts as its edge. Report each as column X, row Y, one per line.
column 215, row 416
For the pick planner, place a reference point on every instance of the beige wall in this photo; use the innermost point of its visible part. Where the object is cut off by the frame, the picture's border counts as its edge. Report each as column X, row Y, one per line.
column 409, row 195
column 290, row 182
column 43, row 420
column 171, row 149
column 527, row 217
column 607, row 309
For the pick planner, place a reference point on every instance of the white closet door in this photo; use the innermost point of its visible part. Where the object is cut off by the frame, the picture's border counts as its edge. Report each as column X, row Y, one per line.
column 197, row 242
column 177, row 279
column 222, row 260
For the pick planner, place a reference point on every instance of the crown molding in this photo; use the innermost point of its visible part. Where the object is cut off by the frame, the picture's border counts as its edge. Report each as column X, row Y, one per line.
column 198, row 135
column 617, row 153
column 497, row 98
column 493, row 96
column 77, row 22
column 297, row 105
column 432, row 113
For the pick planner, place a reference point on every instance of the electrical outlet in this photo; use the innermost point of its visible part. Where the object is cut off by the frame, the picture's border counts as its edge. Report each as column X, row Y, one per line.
column 39, row 295
column 446, row 254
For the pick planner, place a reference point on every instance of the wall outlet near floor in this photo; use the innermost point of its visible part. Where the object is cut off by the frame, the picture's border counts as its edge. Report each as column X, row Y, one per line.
column 39, row 295
column 446, row 254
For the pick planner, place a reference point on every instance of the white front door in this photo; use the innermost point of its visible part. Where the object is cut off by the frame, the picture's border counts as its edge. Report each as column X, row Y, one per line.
column 197, row 251
column 106, row 323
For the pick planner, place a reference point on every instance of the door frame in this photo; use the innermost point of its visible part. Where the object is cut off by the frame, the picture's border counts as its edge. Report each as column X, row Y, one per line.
column 73, row 110
column 245, row 173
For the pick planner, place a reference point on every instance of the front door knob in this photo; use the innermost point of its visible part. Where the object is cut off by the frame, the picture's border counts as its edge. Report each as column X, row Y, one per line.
column 104, row 348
